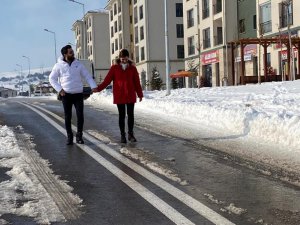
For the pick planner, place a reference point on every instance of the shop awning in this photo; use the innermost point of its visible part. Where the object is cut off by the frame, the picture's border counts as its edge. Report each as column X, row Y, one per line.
column 182, row 74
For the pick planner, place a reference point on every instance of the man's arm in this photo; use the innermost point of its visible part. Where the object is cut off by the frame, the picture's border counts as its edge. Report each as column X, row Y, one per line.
column 53, row 79
column 88, row 77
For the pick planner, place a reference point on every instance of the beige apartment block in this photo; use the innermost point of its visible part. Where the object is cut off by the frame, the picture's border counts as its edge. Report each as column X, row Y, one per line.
column 138, row 25
column 275, row 17
column 78, row 28
column 92, row 41
column 209, row 26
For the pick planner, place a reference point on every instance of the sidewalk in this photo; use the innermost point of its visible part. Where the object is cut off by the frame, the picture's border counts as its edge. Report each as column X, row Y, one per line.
column 258, row 123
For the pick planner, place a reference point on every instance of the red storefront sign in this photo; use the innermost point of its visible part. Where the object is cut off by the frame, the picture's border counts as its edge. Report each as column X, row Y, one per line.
column 284, row 54
column 210, row 57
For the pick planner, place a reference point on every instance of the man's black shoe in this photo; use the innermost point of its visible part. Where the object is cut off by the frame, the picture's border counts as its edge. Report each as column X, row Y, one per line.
column 79, row 139
column 131, row 137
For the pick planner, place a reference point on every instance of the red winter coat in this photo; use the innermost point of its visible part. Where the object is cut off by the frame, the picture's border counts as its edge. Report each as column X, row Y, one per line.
column 126, row 84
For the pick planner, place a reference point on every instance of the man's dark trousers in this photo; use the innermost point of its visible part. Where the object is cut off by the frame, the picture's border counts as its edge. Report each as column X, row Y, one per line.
column 68, row 101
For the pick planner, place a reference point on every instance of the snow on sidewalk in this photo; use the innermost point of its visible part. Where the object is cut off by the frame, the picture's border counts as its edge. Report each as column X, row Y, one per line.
column 259, row 122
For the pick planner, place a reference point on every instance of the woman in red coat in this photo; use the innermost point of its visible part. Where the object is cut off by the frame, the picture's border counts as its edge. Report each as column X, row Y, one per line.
column 126, row 85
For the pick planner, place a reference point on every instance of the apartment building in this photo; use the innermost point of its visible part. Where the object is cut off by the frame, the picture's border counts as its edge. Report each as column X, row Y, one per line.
column 92, row 41
column 247, row 29
column 274, row 18
column 139, row 27
column 209, row 26
column 79, row 30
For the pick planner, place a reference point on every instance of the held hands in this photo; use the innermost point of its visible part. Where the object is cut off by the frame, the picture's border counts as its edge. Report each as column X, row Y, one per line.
column 94, row 90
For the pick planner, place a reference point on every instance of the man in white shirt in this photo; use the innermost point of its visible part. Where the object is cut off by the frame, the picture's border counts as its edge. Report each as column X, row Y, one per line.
column 66, row 79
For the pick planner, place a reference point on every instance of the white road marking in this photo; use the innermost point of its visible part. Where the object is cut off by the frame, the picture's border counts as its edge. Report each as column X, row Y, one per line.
column 191, row 202
column 155, row 201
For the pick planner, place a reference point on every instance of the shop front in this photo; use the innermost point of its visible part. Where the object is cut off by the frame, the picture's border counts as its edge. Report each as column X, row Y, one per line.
column 210, row 68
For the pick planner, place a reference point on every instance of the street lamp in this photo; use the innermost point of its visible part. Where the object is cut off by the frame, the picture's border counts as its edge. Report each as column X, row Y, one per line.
column 83, row 10
column 52, row 32
column 28, row 59
column 21, row 76
column 84, row 49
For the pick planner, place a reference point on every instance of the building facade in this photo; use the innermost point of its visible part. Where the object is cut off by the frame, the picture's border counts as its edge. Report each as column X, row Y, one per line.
column 92, row 41
column 209, row 26
column 274, row 19
column 139, row 27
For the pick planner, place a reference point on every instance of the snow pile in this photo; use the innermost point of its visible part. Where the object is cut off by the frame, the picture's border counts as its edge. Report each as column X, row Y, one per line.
column 269, row 112
column 261, row 122
column 23, row 194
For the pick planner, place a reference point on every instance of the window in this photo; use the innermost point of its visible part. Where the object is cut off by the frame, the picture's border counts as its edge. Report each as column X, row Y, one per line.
column 116, row 45
column 242, row 27
column 136, row 34
column 179, row 30
column 205, row 11
column 112, row 48
column 180, row 51
column 135, row 1
column 115, row 9
column 141, row 33
column 254, row 22
column 191, row 46
column 111, row 31
column 135, row 15
column 119, row 6
column 120, row 42
column 219, row 38
column 190, row 18
column 217, row 6
column 116, row 26
column 142, row 53
column 111, row 15
column 265, row 18
column 206, row 38
column 120, row 23
column 179, row 10
column 286, row 14
column 130, row 19
column 141, row 12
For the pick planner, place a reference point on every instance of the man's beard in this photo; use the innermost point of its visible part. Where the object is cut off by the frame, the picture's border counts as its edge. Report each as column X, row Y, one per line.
column 70, row 58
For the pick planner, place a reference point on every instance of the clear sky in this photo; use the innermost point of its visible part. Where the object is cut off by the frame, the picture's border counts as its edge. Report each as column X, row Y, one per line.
column 22, row 24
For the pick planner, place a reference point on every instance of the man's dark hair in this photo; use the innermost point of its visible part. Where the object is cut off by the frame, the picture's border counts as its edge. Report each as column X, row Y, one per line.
column 64, row 49
column 123, row 53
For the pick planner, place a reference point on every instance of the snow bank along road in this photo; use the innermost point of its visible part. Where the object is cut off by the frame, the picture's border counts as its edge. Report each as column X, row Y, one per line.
column 155, row 201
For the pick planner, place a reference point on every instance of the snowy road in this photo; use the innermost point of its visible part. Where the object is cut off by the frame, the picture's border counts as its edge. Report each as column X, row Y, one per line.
column 160, row 180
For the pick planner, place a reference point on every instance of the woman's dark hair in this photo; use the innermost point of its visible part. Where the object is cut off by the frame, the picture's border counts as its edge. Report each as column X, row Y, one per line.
column 64, row 49
column 123, row 53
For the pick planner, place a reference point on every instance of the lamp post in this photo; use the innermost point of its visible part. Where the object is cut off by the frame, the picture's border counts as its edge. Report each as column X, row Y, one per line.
column 21, row 76
column 52, row 32
column 84, row 50
column 28, row 60
column 167, row 49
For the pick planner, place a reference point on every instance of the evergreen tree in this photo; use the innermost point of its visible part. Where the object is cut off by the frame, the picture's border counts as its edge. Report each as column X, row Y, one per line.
column 156, row 81
column 174, row 83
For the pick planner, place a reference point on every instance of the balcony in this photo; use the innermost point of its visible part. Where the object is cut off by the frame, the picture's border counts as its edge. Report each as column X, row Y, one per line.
column 190, row 23
column 191, row 50
column 218, row 40
column 286, row 20
column 206, row 43
column 217, row 7
column 205, row 13
column 266, row 27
